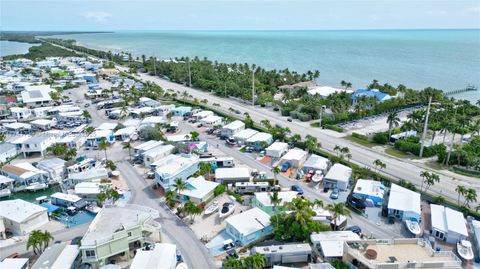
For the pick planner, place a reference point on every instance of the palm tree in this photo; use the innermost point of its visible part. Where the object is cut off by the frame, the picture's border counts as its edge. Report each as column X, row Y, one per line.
column 275, row 171
column 431, row 180
column 338, row 209
column 318, row 203
column 169, row 198
column 301, row 210
column 179, row 185
column 70, row 154
column 470, row 196
column 232, row 263
column 192, row 209
column 128, row 145
column 258, row 261
column 461, row 190
column 205, row 168
column 90, row 129
column 392, row 120
column 311, row 143
column 2, row 137
column 424, row 175
column 343, row 151
column 57, row 150
column 379, row 165
column 39, row 241
column 103, row 145
column 275, row 201
column 194, row 135
column 337, row 149
column 86, row 115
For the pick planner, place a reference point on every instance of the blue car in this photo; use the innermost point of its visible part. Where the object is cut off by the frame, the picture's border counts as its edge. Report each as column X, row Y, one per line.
column 334, row 194
column 285, row 167
column 298, row 189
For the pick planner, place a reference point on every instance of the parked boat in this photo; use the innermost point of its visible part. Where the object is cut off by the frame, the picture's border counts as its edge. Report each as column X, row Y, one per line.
column 211, row 208
column 36, row 186
column 317, row 177
column 181, row 266
column 227, row 209
column 5, row 193
column 92, row 208
column 413, row 227
column 464, row 249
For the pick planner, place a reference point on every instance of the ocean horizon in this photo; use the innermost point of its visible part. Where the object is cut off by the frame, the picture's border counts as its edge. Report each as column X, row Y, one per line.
column 447, row 59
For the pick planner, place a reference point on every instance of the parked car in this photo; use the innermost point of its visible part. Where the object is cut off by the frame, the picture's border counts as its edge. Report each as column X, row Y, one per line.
column 87, row 105
column 150, row 175
column 285, row 167
column 289, row 119
column 334, row 194
column 298, row 189
column 354, row 229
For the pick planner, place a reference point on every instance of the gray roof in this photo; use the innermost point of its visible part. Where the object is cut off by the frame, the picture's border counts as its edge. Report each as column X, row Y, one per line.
column 5, row 146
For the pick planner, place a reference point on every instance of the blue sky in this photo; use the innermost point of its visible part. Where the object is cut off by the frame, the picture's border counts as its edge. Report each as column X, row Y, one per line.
column 236, row 14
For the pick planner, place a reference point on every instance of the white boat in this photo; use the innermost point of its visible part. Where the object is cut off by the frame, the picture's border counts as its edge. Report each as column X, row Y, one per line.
column 227, row 209
column 413, row 227
column 36, row 186
column 211, row 208
column 317, row 177
column 181, row 266
column 92, row 208
column 5, row 193
column 464, row 249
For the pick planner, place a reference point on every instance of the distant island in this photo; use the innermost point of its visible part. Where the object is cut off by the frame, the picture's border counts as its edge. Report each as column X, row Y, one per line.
column 30, row 36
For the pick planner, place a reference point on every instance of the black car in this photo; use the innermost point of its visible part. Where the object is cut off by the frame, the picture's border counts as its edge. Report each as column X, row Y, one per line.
column 356, row 201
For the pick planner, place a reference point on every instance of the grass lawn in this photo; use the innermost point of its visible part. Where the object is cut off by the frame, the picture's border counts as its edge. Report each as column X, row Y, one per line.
column 361, row 141
column 400, row 154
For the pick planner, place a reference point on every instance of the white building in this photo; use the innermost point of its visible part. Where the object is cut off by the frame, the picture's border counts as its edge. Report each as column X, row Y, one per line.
column 25, row 173
column 14, row 263
column 232, row 175
column 41, row 112
column 331, row 243
column 55, row 167
column 21, row 113
column 404, row 204
column 37, row 95
column 162, row 256
column 126, row 134
column 202, row 114
column 67, row 200
column 242, row 136
column 296, row 157
column 7, row 151
column 448, row 224
column 325, row 91
column 144, row 147
column 259, row 140
column 262, row 200
column 174, row 166
column 88, row 190
column 232, row 128
column 89, row 175
column 370, row 190
column 211, row 121
column 37, row 144
column 43, row 124
column 316, row 163
column 21, row 217
column 58, row 256
column 338, row 177
column 249, row 226
column 17, row 127
column 276, row 150
column 198, row 190
column 156, row 154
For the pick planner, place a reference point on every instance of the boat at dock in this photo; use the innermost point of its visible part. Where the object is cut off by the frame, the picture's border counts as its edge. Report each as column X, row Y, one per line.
column 464, row 249
column 36, row 186
column 413, row 227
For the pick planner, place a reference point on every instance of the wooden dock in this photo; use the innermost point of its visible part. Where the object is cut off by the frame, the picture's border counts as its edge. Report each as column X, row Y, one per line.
column 469, row 88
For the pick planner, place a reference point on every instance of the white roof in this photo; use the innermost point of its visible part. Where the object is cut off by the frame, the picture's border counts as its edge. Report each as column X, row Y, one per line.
column 178, row 138
column 87, row 188
column 278, row 146
column 16, row 109
column 125, row 131
column 203, row 114
column 19, row 210
column 66, row 197
column 332, row 248
column 325, row 90
column 249, row 221
column 259, row 137
column 447, row 220
column 245, row 134
column 57, row 256
column 404, row 199
column 234, row 125
column 13, row 263
column 33, row 94
column 148, row 145
column 17, row 125
column 159, row 150
column 295, row 154
column 370, row 188
column 286, row 196
column 131, row 122
column 316, row 162
column 161, row 257
column 153, row 120
column 5, row 180
column 237, row 172
column 173, row 164
column 100, row 134
column 199, row 187
column 107, row 126
column 339, row 172
column 42, row 122
column 211, row 118
column 345, row 236
column 18, row 139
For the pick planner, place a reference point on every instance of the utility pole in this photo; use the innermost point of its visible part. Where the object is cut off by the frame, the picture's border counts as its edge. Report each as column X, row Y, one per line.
column 189, row 74
column 321, row 115
column 253, row 87
column 425, row 126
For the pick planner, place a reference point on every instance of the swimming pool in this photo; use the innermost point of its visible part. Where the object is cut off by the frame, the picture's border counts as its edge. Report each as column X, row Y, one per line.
column 79, row 218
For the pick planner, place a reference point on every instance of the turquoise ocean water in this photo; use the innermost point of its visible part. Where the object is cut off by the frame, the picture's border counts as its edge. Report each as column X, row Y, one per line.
column 9, row 48
column 445, row 59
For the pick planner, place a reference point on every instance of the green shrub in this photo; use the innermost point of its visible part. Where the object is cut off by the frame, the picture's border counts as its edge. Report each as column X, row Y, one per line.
column 360, row 136
column 380, row 138
column 334, row 127
column 219, row 190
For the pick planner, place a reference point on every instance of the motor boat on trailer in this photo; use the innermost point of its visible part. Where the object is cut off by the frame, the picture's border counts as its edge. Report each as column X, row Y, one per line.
column 413, row 227
column 211, row 208
column 36, row 186
column 317, row 177
column 227, row 209
column 464, row 249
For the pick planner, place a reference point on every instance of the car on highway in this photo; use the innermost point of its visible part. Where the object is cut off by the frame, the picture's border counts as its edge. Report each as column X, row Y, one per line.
column 297, row 188
column 334, row 194
column 285, row 167
column 237, row 111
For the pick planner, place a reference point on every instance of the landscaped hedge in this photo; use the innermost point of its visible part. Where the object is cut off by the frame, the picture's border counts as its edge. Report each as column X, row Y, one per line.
column 412, row 145
column 380, row 138
column 333, row 127
column 360, row 136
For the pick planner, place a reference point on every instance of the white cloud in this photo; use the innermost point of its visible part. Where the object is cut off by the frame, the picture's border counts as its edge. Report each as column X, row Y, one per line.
column 96, row 16
column 436, row 12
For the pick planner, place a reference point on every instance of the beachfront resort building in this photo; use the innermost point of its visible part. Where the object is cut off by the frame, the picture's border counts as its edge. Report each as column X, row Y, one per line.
column 20, row 217
column 116, row 232
column 249, row 226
